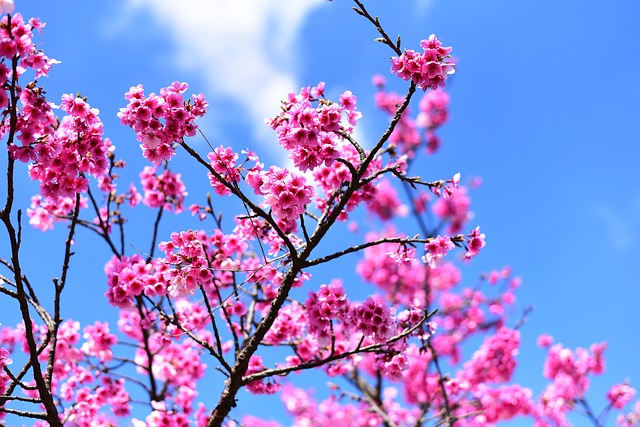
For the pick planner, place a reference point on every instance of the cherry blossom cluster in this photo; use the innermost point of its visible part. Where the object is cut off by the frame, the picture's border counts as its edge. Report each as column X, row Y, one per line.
column 467, row 311
column 495, row 360
column 434, row 109
column 285, row 192
column 129, row 277
column 454, row 208
column 428, row 70
column 373, row 319
column 161, row 120
column 260, row 386
column 568, row 372
column 250, row 229
column 132, row 323
column 631, row 419
column 330, row 412
column 193, row 316
column 89, row 402
column 620, row 394
column 4, row 378
column 162, row 417
column 35, row 122
column 421, row 385
column 434, row 112
column 177, row 364
column 289, row 325
column 503, row 403
column 322, row 307
column 403, row 281
column 311, row 133
column 62, row 159
column 406, row 137
column 437, row 249
column 165, row 190
column 332, row 179
column 410, row 133
column 16, row 42
column 87, row 396
column 223, row 161
column 98, row 341
column 196, row 258
column 475, row 242
column 386, row 204
column 392, row 364
column 43, row 214
column 186, row 252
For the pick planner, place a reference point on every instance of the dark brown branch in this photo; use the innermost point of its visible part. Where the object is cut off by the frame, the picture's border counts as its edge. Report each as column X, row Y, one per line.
column 362, row 11
column 156, row 226
column 330, row 216
column 240, row 195
column 448, row 420
column 372, row 398
column 153, row 386
column 28, row 414
column 104, row 227
column 356, row 248
column 59, row 286
column 338, row 356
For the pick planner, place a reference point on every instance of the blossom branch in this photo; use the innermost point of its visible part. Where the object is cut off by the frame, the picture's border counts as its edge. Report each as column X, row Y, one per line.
column 372, row 397
column 362, row 11
column 400, row 240
column 239, row 194
column 58, row 287
column 329, row 217
column 333, row 357
column 448, row 420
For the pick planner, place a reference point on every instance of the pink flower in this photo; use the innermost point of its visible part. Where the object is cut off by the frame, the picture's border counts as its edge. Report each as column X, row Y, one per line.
column 437, row 249
column 428, row 70
column 454, row 208
column 72, row 150
column 495, row 359
column 620, row 394
column 286, row 193
column 386, row 205
column 310, row 129
column 161, row 120
column 373, row 319
column 475, row 242
column 263, row 386
column 434, row 109
column 165, row 190
column 545, row 341
column 223, row 161
column 99, row 341
column 330, row 302
column 7, row 6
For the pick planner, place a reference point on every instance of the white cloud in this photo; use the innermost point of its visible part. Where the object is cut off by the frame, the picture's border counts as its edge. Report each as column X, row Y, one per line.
column 424, row 5
column 245, row 50
column 621, row 227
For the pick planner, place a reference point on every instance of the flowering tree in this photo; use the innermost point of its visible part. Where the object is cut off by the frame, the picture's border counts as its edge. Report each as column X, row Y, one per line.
column 237, row 300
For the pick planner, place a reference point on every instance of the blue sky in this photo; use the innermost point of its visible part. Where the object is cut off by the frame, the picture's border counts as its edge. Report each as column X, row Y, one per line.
column 544, row 108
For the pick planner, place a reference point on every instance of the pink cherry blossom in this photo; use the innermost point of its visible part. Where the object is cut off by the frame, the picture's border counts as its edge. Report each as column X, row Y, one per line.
column 161, row 120
column 436, row 249
column 475, row 243
column 620, row 394
column 428, row 70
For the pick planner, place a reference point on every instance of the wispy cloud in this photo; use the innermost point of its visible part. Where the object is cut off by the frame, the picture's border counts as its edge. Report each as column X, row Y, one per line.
column 424, row 5
column 621, row 226
column 244, row 50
